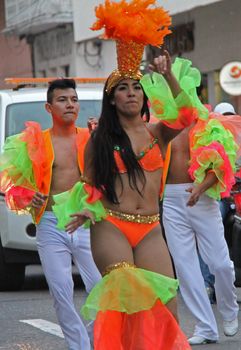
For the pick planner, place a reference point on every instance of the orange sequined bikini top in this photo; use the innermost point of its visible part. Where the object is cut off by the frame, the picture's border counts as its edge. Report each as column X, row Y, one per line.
column 150, row 159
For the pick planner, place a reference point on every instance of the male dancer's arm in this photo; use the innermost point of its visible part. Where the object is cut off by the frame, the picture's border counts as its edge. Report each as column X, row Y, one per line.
column 198, row 190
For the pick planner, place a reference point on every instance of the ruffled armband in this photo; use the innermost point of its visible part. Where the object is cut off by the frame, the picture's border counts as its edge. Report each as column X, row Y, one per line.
column 213, row 148
column 82, row 196
column 177, row 112
column 21, row 167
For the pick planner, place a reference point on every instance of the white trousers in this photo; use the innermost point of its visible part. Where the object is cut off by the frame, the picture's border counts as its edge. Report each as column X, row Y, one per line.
column 57, row 250
column 186, row 227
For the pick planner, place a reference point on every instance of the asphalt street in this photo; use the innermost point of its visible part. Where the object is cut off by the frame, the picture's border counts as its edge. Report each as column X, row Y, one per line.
column 28, row 321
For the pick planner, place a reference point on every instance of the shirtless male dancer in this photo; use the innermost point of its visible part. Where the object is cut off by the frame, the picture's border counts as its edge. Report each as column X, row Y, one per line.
column 55, row 157
column 191, row 219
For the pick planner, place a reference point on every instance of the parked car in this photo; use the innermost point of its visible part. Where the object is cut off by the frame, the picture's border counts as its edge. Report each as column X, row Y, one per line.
column 17, row 232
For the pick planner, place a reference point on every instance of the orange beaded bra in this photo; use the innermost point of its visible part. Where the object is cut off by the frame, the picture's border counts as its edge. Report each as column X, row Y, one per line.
column 150, row 159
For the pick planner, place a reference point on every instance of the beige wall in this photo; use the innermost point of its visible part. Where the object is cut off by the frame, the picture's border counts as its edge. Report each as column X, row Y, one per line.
column 217, row 41
column 217, row 34
column 15, row 54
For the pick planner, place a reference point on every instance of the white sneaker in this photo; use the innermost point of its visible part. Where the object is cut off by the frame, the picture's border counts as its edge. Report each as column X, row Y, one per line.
column 230, row 328
column 198, row 340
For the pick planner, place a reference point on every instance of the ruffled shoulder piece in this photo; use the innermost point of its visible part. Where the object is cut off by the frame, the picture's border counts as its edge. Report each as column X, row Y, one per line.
column 231, row 123
column 21, row 166
column 33, row 137
column 82, row 196
column 180, row 111
column 213, row 148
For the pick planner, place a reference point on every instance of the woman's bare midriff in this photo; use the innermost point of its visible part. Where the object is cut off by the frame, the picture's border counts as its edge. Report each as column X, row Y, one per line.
column 131, row 202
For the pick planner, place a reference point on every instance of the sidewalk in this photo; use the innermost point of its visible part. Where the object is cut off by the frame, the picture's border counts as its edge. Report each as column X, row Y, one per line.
column 187, row 323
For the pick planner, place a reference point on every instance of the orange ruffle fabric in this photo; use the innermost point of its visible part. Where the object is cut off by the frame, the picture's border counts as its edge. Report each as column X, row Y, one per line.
column 186, row 116
column 213, row 157
column 19, row 198
column 154, row 329
column 33, row 137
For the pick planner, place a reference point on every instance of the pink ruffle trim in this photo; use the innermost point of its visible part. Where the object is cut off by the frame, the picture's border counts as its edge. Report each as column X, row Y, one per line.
column 18, row 198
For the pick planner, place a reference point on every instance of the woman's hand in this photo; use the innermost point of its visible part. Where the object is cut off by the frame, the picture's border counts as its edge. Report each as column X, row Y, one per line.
column 162, row 64
column 79, row 219
column 38, row 200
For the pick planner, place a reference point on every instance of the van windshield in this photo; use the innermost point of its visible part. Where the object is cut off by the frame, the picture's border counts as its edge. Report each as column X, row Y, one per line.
column 18, row 113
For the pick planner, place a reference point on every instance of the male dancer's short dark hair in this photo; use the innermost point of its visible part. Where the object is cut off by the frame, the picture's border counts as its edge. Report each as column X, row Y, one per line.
column 62, row 84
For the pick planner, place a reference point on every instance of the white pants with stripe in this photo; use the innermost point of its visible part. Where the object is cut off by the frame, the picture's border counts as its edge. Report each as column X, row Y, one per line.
column 57, row 250
column 186, row 227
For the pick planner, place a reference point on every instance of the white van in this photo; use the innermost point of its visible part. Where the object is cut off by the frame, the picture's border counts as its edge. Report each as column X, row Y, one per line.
column 17, row 233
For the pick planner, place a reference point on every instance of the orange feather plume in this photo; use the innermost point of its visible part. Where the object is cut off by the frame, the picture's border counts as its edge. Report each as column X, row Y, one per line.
column 135, row 21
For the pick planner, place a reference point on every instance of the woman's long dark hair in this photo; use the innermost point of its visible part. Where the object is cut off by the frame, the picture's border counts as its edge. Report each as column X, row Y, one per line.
column 108, row 135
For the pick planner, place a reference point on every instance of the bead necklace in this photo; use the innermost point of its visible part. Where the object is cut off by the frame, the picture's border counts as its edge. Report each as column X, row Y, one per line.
column 142, row 153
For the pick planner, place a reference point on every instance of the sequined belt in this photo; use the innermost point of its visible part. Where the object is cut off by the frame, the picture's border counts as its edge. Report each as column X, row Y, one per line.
column 140, row 219
column 119, row 265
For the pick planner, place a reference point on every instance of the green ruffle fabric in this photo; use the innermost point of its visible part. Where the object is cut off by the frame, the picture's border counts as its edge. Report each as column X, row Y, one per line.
column 73, row 201
column 129, row 290
column 211, row 159
column 213, row 148
column 164, row 106
column 215, row 131
column 16, row 164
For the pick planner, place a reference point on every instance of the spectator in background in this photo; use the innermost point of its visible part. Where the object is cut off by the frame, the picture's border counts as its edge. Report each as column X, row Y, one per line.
column 224, row 108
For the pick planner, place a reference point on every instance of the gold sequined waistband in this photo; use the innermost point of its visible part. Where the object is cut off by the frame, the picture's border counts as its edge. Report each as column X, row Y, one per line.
column 119, row 265
column 140, row 219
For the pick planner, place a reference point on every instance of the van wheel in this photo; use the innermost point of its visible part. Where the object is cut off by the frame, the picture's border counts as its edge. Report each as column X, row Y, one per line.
column 11, row 275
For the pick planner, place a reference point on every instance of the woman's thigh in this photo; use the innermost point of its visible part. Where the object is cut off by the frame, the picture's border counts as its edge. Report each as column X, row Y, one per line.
column 152, row 253
column 109, row 245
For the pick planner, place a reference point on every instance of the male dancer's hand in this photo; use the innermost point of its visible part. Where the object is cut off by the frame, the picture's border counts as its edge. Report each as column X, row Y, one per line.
column 92, row 124
column 194, row 197
column 79, row 219
column 38, row 200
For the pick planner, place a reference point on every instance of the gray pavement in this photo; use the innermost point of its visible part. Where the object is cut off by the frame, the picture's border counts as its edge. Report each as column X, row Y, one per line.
column 187, row 323
column 34, row 302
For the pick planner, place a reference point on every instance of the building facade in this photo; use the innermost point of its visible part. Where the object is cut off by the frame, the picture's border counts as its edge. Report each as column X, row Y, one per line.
column 204, row 31
column 15, row 53
column 62, row 44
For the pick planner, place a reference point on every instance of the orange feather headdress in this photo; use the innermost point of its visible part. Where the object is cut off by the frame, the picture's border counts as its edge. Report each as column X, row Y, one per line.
column 133, row 25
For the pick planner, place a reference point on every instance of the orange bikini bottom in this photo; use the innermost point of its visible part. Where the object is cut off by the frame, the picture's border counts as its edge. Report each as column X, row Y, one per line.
column 134, row 227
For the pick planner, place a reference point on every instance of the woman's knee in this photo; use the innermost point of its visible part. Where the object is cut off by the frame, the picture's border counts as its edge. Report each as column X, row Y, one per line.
column 172, row 307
